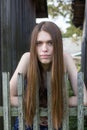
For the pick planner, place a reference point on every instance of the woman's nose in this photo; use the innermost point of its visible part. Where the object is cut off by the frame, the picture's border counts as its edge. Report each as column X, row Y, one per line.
column 44, row 47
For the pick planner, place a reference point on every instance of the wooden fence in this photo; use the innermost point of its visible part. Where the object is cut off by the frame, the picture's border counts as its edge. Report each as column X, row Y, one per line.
column 7, row 111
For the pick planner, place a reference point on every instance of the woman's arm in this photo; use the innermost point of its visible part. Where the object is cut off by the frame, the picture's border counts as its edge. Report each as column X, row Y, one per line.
column 72, row 73
column 21, row 68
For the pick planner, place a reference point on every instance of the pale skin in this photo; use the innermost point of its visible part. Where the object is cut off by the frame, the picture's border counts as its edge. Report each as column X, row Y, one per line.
column 45, row 53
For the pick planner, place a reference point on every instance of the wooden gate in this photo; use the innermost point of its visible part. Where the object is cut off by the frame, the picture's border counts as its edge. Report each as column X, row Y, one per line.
column 7, row 111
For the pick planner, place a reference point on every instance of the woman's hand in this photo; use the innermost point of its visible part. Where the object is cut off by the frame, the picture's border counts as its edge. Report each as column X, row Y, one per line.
column 44, row 121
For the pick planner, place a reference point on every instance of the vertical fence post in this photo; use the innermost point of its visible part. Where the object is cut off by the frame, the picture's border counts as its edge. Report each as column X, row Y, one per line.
column 6, row 101
column 36, row 118
column 65, row 125
column 49, row 103
column 20, row 101
column 80, row 102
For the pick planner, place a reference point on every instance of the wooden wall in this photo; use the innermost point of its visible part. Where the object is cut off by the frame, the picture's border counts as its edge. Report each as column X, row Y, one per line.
column 78, row 12
column 23, row 21
column 17, row 22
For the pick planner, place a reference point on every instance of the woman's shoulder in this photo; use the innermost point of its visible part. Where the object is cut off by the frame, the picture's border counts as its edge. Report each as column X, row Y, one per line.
column 66, row 55
column 67, row 59
column 25, row 58
column 24, row 63
column 26, row 55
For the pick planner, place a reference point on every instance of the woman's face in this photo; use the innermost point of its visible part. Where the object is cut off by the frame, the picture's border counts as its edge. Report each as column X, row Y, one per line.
column 44, row 47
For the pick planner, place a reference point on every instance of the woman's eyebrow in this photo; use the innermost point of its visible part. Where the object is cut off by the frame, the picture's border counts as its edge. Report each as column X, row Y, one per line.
column 49, row 40
column 43, row 41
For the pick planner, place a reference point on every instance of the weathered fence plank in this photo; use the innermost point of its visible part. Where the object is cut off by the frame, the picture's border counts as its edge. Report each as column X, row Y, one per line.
column 36, row 118
column 65, row 125
column 80, row 102
column 20, row 101
column 6, row 102
column 50, row 125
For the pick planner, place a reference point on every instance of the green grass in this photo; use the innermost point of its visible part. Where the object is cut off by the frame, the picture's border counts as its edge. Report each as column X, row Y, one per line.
column 73, row 123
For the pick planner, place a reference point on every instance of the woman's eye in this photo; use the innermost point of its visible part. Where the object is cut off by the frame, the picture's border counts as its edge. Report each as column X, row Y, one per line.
column 50, row 43
column 38, row 43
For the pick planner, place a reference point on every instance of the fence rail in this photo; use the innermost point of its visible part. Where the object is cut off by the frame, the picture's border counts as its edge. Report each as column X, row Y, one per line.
column 8, row 111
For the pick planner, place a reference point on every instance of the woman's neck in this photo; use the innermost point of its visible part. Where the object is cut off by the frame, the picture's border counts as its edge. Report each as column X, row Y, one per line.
column 46, row 67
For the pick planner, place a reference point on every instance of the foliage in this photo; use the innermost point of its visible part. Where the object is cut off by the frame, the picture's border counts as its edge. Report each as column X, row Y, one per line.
column 72, row 30
column 57, row 8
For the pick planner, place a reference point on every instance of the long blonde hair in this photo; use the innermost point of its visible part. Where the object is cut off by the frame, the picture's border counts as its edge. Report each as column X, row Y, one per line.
column 56, row 75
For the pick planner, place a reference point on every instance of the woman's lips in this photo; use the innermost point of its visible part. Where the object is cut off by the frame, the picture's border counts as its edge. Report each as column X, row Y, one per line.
column 44, row 56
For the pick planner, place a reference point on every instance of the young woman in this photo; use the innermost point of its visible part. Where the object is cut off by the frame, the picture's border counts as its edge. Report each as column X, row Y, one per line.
column 46, row 55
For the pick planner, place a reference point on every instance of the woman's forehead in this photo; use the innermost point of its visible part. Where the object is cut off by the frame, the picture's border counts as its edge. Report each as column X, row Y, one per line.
column 43, row 35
